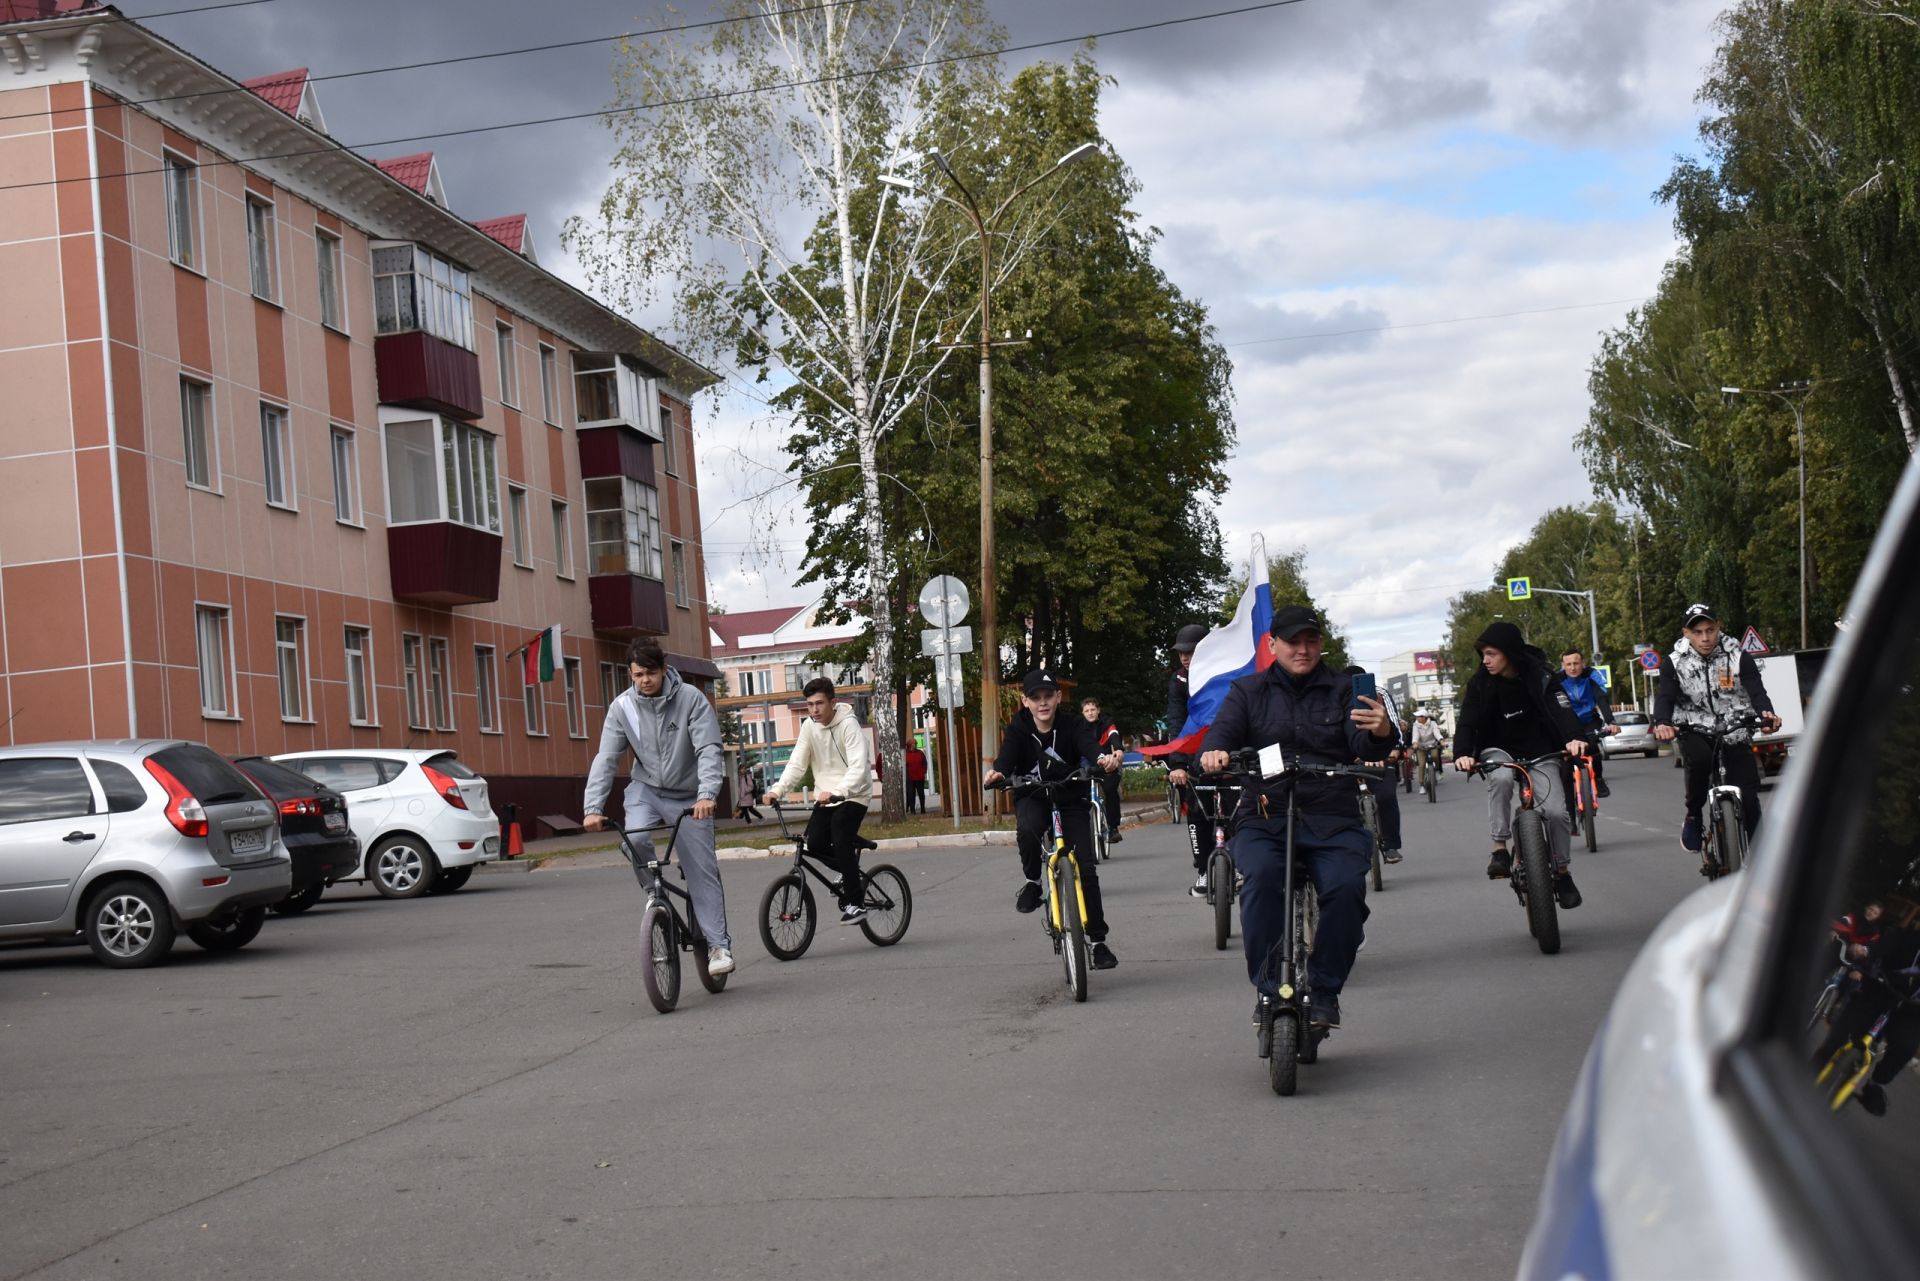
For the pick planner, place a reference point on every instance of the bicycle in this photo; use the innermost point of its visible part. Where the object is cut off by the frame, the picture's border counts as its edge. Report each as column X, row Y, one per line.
column 1060, row 881
column 1532, row 874
column 1102, row 835
column 1723, row 843
column 666, row 935
column 1830, row 994
column 1430, row 773
column 1854, row 1062
column 788, row 916
column 1370, row 819
column 1586, row 800
column 1404, row 763
column 1218, row 797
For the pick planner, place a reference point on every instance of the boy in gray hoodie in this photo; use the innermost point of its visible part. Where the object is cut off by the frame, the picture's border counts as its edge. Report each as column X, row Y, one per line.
column 674, row 735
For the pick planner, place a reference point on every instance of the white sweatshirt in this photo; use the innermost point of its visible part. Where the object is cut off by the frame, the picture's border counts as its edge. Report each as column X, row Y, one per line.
column 836, row 753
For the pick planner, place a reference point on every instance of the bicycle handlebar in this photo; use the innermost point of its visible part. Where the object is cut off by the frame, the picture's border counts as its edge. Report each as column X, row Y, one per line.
column 1024, row 783
column 628, row 833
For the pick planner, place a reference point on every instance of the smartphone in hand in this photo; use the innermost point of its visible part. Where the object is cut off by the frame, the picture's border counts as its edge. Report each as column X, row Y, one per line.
column 1363, row 686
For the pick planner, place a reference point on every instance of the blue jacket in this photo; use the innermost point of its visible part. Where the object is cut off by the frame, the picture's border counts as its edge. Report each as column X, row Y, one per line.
column 1589, row 698
column 1309, row 719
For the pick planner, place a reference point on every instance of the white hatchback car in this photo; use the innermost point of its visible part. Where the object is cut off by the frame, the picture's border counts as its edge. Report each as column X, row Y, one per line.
column 422, row 817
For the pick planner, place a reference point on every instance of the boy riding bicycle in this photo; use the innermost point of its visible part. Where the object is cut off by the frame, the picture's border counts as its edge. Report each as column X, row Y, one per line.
column 834, row 746
column 1039, row 739
column 1705, row 678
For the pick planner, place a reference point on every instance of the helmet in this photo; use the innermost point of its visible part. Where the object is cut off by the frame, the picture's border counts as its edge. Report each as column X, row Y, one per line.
column 1190, row 636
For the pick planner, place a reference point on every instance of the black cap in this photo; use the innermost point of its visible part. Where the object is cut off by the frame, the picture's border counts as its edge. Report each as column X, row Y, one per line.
column 1696, row 612
column 1037, row 681
column 1290, row 621
column 1189, row 638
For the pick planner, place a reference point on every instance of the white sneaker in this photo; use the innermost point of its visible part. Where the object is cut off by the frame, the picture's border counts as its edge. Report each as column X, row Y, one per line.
column 1199, row 886
column 852, row 914
column 719, row 961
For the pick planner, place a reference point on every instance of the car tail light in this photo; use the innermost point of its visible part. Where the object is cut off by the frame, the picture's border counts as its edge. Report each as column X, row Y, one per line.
column 300, row 807
column 184, row 810
column 445, row 785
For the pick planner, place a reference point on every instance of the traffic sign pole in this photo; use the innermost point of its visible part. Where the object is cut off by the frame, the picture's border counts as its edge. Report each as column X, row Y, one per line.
column 944, row 602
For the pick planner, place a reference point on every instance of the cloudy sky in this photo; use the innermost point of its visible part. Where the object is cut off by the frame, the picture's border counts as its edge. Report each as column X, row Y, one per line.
column 1363, row 192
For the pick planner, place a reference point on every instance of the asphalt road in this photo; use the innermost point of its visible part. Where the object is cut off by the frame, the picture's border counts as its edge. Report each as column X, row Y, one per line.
column 475, row 1086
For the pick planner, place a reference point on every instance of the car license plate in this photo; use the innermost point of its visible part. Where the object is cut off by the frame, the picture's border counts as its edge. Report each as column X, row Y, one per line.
column 491, row 845
column 335, row 823
column 250, row 841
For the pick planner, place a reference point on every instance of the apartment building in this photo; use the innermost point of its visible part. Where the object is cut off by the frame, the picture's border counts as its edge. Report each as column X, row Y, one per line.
column 293, row 455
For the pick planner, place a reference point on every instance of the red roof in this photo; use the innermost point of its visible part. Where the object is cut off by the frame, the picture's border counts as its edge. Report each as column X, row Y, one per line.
column 283, row 88
column 32, row 10
column 411, row 170
column 510, row 231
column 754, row 622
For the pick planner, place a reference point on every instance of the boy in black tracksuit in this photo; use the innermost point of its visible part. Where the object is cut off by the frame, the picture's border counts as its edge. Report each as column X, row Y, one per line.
column 1038, row 737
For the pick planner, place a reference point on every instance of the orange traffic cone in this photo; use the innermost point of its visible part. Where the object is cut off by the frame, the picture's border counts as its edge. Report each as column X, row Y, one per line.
column 514, row 848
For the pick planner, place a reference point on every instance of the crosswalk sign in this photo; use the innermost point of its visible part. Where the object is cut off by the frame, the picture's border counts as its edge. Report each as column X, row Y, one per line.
column 1604, row 674
column 1519, row 589
column 1752, row 644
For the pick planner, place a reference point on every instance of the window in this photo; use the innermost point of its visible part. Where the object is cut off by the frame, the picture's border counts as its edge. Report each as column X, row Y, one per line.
column 680, row 574
column 623, row 527
column 798, row 674
column 411, row 677
column 260, row 246
column 669, row 454
column 359, row 642
column 486, row 689
column 613, row 682
column 442, row 470
column 532, row 701
column 290, row 661
column 549, row 384
column 756, row 681
column 326, row 253
column 517, row 526
column 196, row 427
column 576, row 714
column 215, row 652
column 346, row 476
column 348, row 773
column 276, row 453
column 609, row 389
column 36, row 789
column 123, row 791
column 503, row 350
column 562, row 541
column 183, row 211
column 416, row 290
column 439, row 693
column 758, row 732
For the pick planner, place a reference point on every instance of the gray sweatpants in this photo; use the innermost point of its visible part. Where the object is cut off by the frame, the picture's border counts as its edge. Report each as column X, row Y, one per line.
column 693, row 850
column 1501, row 786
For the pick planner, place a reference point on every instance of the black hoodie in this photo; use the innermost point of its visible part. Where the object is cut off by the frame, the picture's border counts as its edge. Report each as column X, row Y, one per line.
column 1023, row 748
column 1528, row 716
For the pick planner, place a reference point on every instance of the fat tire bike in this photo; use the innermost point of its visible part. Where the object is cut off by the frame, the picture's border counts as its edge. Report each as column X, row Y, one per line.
column 663, row 933
column 1532, row 874
column 1217, row 796
column 1063, row 906
column 789, row 917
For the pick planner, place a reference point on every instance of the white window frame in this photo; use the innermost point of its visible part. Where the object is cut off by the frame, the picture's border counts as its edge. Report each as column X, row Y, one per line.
column 440, row 683
column 534, row 705
column 681, row 596
column 182, row 179
column 562, row 538
column 439, row 295
column 549, row 385
column 756, row 682
column 503, row 350
column 220, row 640
column 640, row 548
column 343, row 452
column 669, row 455
column 475, row 455
column 276, row 455
column 290, row 652
column 357, row 643
column 520, row 543
column 613, row 683
column 636, row 397
column 413, row 678
column 329, row 259
column 209, row 439
column 486, row 689
column 570, row 671
column 263, row 265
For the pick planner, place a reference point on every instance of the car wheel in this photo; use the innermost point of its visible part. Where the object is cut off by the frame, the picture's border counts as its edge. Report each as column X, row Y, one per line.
column 129, row 925
column 451, row 879
column 300, row 900
column 402, row 867
column 231, row 935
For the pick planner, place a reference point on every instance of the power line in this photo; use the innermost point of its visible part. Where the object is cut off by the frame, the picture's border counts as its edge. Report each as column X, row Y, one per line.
column 1427, row 324
column 175, row 13
column 694, row 99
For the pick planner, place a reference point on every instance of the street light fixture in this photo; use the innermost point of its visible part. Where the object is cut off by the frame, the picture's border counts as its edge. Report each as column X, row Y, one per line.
column 986, row 225
column 1794, row 396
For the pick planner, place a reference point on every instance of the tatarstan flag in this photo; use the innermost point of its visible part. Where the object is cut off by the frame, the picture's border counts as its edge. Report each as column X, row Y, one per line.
column 543, row 655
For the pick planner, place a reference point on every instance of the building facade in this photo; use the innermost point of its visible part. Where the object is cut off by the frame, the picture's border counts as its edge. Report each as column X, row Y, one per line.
column 1421, row 679
column 295, row 457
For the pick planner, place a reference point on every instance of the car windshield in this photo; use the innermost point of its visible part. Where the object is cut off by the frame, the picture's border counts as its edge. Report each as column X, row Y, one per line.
column 1629, row 718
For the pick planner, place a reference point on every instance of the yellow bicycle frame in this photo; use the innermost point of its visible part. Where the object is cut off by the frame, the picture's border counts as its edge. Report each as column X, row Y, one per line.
column 1058, row 921
column 1853, row 1082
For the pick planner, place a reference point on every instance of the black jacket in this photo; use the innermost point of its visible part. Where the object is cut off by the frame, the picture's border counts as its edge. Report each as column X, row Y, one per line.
column 1023, row 748
column 1307, row 718
column 1553, row 723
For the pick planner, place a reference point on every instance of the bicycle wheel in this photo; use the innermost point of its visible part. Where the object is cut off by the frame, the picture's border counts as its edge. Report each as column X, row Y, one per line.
column 1430, row 777
column 1283, row 1064
column 1220, row 894
column 1073, row 949
column 889, row 906
column 1828, row 995
column 1101, row 849
column 1306, row 921
column 697, row 940
column 1543, row 916
column 660, row 969
column 1731, row 839
column 787, row 917
column 1590, row 805
column 1379, row 869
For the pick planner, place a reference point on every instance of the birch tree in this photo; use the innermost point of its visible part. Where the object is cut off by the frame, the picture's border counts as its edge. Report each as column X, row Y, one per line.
column 746, row 198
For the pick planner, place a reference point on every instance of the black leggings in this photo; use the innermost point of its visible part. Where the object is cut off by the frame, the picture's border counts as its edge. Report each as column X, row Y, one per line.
column 1697, row 753
column 831, row 836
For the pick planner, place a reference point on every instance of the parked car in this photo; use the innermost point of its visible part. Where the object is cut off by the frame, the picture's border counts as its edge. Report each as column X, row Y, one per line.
column 313, row 827
column 1635, row 736
column 128, row 843
column 421, row 816
column 1728, row 1121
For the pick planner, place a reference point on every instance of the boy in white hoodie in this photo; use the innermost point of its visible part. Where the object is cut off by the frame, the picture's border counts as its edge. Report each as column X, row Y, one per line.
column 834, row 746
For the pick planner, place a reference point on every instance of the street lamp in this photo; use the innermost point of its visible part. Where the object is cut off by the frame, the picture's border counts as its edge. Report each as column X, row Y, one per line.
column 986, row 225
column 1794, row 396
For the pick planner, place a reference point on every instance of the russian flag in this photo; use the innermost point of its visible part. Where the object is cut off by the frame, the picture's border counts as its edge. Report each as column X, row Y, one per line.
column 1235, row 649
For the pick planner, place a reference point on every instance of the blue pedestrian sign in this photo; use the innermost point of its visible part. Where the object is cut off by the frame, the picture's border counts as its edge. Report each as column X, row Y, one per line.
column 1519, row 589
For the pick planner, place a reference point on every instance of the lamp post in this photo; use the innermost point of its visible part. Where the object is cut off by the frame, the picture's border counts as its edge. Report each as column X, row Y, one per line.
column 1794, row 397
column 986, row 226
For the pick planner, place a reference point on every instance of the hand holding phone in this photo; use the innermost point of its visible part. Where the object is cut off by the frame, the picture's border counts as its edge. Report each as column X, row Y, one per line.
column 1363, row 686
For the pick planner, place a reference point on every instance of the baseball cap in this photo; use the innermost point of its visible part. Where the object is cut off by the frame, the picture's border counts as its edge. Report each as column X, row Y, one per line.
column 1037, row 681
column 1291, row 620
column 1422, row 714
column 1698, row 611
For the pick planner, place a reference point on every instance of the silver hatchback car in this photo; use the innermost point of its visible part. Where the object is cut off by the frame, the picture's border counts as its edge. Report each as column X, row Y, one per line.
column 128, row 843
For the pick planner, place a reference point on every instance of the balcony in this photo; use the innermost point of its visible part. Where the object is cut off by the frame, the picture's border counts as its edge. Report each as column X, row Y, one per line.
column 421, row 371
column 445, row 563
column 616, row 451
column 624, row 605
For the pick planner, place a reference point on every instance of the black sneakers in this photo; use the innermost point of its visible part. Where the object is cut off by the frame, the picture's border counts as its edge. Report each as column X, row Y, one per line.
column 1103, row 957
column 852, row 914
column 1500, row 866
column 1690, row 833
column 1029, row 897
column 1601, row 789
column 1565, row 890
column 1324, row 1011
column 1389, row 856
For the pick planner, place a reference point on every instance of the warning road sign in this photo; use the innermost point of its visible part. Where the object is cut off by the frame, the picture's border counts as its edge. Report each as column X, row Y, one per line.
column 1650, row 659
column 1751, row 643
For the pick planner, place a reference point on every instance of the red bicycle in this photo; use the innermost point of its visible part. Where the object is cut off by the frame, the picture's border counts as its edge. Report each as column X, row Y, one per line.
column 1584, row 790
